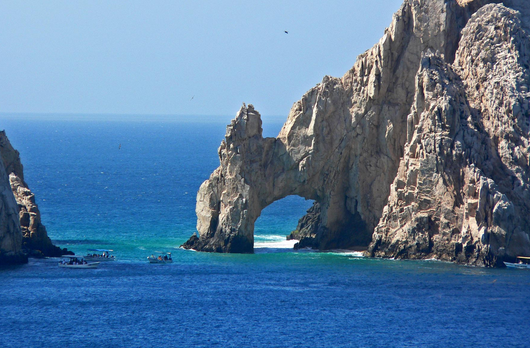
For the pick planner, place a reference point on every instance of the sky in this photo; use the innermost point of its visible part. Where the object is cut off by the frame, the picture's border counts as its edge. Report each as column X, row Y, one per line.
column 177, row 57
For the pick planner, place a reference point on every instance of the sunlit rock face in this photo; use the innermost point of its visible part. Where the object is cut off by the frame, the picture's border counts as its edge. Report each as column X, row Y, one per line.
column 419, row 151
column 462, row 188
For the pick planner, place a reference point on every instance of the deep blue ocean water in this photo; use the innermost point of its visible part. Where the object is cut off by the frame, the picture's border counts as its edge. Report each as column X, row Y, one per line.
column 131, row 186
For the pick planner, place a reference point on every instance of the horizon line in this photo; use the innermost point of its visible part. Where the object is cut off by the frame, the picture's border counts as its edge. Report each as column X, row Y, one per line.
column 67, row 116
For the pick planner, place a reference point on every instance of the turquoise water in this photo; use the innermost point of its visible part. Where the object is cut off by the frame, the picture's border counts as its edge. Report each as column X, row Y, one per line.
column 131, row 187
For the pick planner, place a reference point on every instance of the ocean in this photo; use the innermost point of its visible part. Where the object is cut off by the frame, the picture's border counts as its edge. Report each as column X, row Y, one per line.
column 130, row 186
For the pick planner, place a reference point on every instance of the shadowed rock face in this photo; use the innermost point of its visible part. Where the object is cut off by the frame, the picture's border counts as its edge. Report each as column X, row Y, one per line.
column 419, row 151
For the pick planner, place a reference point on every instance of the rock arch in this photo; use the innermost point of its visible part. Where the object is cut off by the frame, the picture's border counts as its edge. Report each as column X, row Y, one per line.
column 424, row 142
column 312, row 157
column 340, row 145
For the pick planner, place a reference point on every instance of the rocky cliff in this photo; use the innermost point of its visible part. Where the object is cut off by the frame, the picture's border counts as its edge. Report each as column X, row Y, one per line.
column 419, row 151
column 30, row 235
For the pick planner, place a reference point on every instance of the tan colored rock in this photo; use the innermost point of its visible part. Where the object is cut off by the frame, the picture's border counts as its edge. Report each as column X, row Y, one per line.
column 468, row 141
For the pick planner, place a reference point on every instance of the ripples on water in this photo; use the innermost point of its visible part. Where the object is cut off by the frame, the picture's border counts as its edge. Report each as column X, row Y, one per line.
column 140, row 198
column 280, row 299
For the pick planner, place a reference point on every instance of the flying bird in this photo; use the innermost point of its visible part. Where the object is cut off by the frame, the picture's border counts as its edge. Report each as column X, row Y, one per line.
column 285, row 31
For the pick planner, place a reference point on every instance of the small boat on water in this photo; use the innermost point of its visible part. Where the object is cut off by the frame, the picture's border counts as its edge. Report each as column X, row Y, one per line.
column 76, row 261
column 160, row 259
column 100, row 255
column 523, row 263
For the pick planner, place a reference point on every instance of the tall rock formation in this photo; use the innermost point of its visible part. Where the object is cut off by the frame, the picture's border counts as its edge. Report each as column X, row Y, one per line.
column 419, row 151
column 33, row 238
column 462, row 188
column 10, row 232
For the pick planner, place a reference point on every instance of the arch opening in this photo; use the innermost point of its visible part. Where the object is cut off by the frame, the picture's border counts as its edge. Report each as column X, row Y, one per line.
column 277, row 221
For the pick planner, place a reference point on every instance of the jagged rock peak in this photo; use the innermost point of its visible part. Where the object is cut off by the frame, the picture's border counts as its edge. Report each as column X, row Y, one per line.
column 419, row 151
column 247, row 124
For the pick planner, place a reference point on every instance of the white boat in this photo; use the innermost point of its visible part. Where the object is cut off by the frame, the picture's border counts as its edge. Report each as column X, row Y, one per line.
column 76, row 261
column 523, row 263
column 100, row 255
column 160, row 259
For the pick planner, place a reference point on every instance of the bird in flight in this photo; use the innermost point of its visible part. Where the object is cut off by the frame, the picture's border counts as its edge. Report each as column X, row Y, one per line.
column 285, row 31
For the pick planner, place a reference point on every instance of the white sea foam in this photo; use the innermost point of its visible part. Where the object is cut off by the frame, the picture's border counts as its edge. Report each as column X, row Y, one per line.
column 349, row 253
column 272, row 243
column 276, row 244
column 269, row 237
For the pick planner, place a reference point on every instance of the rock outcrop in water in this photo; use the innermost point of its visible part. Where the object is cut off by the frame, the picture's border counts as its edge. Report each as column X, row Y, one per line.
column 421, row 150
column 10, row 232
column 28, row 236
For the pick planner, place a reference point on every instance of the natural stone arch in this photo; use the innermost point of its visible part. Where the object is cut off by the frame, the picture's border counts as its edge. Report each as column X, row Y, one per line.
column 340, row 145
column 310, row 158
column 368, row 147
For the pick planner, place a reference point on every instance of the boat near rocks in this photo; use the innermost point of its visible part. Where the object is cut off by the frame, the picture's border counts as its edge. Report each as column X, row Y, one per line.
column 77, row 261
column 100, row 255
column 523, row 263
column 160, row 259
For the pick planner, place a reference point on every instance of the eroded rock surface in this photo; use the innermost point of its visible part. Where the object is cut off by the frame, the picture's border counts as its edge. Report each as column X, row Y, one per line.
column 462, row 188
column 419, row 151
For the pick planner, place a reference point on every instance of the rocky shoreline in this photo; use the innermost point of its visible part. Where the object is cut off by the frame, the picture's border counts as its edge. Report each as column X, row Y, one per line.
column 420, row 151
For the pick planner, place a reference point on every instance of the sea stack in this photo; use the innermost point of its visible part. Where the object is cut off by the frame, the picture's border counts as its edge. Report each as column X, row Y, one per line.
column 420, row 151
column 10, row 231
column 26, row 236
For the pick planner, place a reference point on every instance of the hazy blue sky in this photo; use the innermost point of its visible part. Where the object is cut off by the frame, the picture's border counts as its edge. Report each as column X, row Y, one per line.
column 177, row 57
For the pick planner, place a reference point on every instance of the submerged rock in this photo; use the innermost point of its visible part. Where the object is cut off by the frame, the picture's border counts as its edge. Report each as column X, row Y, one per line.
column 419, row 151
